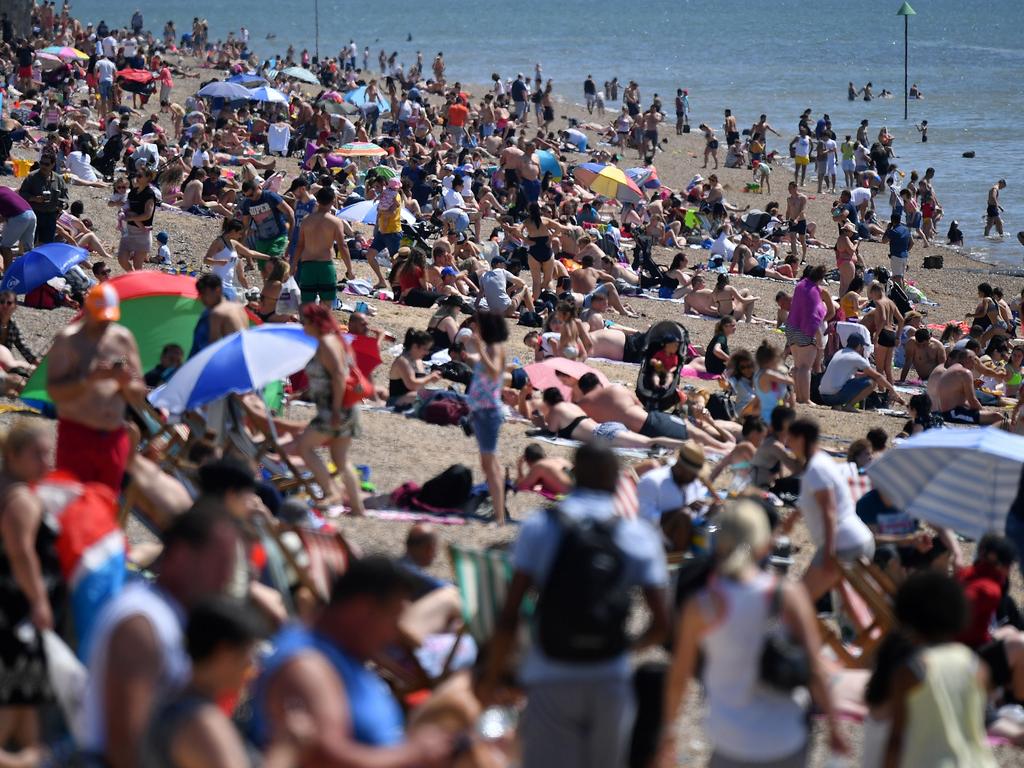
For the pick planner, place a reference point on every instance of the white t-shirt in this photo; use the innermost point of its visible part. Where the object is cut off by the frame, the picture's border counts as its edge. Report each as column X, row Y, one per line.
column 843, row 367
column 822, row 473
column 831, row 150
column 452, row 199
column 130, row 47
column 78, row 164
column 109, row 46
column 802, row 146
column 105, row 70
column 577, row 138
column 658, row 493
column 200, row 159
column 860, row 195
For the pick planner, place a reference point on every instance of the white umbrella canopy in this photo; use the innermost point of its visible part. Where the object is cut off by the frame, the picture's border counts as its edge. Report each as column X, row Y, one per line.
column 964, row 479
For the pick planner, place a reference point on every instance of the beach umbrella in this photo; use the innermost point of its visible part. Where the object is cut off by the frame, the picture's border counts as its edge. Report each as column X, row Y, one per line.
column 339, row 108
column 242, row 362
column 300, row 73
column 549, row 163
column 964, row 479
column 366, row 351
column 65, row 52
column 332, row 96
column 248, row 79
column 608, row 181
column 33, row 269
column 545, row 374
column 47, row 56
column 223, row 90
column 357, row 97
column 365, row 212
column 158, row 309
column 646, row 177
column 268, row 94
column 360, row 149
column 384, row 172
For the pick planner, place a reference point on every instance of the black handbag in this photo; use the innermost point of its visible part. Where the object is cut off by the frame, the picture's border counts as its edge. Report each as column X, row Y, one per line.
column 785, row 664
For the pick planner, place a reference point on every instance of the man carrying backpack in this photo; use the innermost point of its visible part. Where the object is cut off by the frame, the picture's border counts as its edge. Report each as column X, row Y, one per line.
column 584, row 563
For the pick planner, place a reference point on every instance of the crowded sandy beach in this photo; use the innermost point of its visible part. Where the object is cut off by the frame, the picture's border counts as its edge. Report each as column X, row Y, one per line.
column 359, row 416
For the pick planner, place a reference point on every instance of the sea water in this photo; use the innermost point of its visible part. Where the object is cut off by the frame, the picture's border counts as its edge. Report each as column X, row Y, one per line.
column 778, row 57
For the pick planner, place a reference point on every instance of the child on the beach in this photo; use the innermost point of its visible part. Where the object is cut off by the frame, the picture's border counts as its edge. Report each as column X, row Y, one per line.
column 665, row 363
column 119, row 199
column 163, row 253
column 389, row 197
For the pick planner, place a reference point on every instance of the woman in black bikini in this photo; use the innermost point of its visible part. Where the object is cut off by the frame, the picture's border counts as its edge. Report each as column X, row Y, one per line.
column 407, row 376
column 539, row 230
column 443, row 326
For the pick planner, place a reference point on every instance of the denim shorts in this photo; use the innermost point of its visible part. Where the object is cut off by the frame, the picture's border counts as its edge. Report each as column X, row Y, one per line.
column 486, row 426
column 847, row 392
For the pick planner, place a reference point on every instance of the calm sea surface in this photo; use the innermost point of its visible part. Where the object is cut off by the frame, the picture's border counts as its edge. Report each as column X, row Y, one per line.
column 779, row 57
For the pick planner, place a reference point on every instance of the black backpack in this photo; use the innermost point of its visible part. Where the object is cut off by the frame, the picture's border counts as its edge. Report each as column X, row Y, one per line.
column 448, row 490
column 584, row 605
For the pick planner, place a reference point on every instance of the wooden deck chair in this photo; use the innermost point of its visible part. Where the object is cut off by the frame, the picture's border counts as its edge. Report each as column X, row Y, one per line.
column 872, row 585
column 284, row 473
column 483, row 577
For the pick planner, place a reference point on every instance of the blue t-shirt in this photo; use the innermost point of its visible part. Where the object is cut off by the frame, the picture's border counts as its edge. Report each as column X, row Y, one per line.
column 301, row 211
column 266, row 215
column 887, row 520
column 899, row 242
column 534, row 555
column 519, row 91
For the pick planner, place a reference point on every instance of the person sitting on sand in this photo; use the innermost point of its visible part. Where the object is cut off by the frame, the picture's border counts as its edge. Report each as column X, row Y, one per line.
column 616, row 403
column 954, row 393
column 727, row 300
column 922, row 353
column 569, row 422
column 587, row 281
column 536, row 471
column 850, row 377
column 738, row 459
column 407, row 375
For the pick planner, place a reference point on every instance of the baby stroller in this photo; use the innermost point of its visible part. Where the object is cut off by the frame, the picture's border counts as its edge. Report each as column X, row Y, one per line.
column 651, row 275
column 664, row 396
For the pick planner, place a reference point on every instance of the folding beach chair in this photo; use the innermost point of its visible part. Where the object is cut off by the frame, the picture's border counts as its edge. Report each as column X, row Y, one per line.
column 328, row 556
column 483, row 578
column 876, row 589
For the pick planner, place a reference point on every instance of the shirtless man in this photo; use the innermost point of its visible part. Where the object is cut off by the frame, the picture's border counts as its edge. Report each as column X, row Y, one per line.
column 650, row 121
column 220, row 318
column 511, row 159
column 613, row 402
column 954, row 391
column 94, row 371
column 796, row 207
column 994, row 209
column 587, row 281
column 319, row 235
column 716, row 196
column 729, row 126
column 593, row 315
column 884, row 323
column 762, row 128
column 537, row 471
column 924, row 353
column 529, row 175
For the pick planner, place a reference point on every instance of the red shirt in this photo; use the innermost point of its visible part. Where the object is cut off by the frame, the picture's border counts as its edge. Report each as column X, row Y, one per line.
column 457, row 115
column 410, row 278
column 983, row 587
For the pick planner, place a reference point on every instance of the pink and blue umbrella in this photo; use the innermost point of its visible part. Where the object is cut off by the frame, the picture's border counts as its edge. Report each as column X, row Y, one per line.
column 646, row 177
column 35, row 268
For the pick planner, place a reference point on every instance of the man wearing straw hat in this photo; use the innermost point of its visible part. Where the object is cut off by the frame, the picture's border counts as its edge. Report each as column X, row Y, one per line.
column 665, row 494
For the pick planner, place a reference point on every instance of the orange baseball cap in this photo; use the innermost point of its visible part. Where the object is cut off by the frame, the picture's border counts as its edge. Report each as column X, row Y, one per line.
column 103, row 303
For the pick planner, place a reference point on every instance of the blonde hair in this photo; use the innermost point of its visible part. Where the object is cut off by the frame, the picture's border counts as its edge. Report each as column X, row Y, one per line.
column 20, row 436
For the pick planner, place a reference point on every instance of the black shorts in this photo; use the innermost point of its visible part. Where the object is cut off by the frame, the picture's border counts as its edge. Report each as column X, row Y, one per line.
column 731, row 137
column 992, row 211
column 660, row 424
column 993, row 653
column 540, row 252
column 757, row 271
column 634, row 348
column 962, row 416
column 798, row 227
column 887, row 338
column 511, row 178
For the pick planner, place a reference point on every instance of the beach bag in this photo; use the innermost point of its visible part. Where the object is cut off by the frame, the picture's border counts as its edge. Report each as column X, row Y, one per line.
column 721, row 407
column 784, row 664
column 455, row 371
column 531, row 319
column 447, row 491
column 444, row 411
column 900, row 299
column 44, row 297
column 584, row 604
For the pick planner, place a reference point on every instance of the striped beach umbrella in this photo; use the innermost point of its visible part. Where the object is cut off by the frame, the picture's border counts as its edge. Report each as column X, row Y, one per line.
column 66, row 52
column 645, row 177
column 608, row 181
column 964, row 479
column 365, row 212
column 242, row 362
column 360, row 149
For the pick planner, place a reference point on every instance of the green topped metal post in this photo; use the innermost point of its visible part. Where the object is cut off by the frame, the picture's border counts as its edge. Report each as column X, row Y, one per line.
column 906, row 12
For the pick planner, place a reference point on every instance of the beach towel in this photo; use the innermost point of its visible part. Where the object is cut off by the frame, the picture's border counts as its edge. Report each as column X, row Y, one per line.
column 631, row 453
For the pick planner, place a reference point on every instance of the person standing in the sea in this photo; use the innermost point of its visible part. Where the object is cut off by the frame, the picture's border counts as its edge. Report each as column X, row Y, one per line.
column 994, row 210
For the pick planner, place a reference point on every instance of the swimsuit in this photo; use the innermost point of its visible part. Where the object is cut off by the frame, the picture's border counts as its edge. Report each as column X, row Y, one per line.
column 541, row 249
column 962, row 415
column 609, row 430
column 566, row 432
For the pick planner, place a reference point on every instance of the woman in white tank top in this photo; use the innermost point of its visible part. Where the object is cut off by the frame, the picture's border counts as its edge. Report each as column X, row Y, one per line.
column 749, row 723
column 223, row 258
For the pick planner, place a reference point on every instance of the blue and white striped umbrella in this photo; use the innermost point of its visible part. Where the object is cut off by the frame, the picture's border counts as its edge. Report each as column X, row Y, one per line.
column 964, row 479
column 242, row 362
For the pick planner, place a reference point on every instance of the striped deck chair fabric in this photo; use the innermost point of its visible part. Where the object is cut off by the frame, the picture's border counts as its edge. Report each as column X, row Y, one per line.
column 483, row 577
column 627, row 502
column 328, row 558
